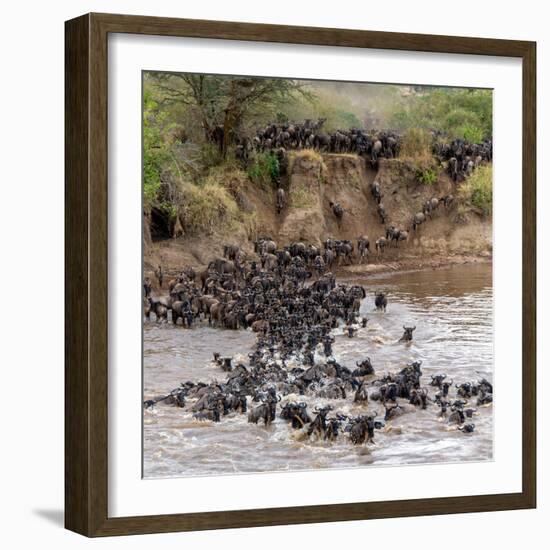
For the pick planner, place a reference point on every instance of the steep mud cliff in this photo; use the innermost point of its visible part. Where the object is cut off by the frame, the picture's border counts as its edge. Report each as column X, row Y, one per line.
column 312, row 182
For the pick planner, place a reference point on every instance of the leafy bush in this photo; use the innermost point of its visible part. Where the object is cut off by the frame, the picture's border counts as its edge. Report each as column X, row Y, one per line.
column 471, row 133
column 461, row 113
column 427, row 176
column 264, row 169
column 155, row 153
column 477, row 190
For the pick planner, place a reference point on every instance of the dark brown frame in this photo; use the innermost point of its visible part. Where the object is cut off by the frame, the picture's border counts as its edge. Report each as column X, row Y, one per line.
column 86, row 315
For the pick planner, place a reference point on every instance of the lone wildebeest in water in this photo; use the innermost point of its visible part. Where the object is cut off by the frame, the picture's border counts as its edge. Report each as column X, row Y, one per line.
column 380, row 301
column 467, row 428
column 407, row 334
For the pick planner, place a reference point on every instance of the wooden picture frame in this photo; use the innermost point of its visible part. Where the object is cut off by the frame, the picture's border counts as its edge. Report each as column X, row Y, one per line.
column 86, row 316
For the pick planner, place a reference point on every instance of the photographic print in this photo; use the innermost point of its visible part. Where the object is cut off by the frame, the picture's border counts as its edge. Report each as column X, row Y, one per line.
column 317, row 274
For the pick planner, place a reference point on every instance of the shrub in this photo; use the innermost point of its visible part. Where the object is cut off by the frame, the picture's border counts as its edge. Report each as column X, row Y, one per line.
column 477, row 190
column 460, row 113
column 264, row 169
column 471, row 133
column 427, row 176
column 155, row 154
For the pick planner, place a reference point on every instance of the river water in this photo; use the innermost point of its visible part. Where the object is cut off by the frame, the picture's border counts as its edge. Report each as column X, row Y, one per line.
column 452, row 310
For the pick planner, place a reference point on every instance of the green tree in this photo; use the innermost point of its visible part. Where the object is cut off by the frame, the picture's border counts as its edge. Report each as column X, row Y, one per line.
column 222, row 104
column 155, row 151
column 463, row 113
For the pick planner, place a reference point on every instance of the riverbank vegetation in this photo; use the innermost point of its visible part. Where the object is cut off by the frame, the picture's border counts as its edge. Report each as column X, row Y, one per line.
column 193, row 123
column 477, row 190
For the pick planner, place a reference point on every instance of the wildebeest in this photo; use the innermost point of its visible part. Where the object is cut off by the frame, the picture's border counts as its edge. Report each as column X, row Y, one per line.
column 364, row 368
column 375, row 191
column 296, row 414
column 437, row 380
column 361, row 394
column 407, row 334
column 158, row 308
column 393, row 411
column 362, row 429
column 380, row 301
column 318, row 426
column 281, row 200
column 381, row 211
column 337, row 210
column 467, row 428
column 363, row 247
column 380, row 244
column 418, row 220
column 261, row 412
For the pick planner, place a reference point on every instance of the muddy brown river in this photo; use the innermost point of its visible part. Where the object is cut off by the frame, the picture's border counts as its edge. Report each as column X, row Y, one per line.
column 452, row 310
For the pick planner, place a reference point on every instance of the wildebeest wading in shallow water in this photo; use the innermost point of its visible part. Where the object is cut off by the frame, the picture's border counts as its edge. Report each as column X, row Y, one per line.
column 380, row 301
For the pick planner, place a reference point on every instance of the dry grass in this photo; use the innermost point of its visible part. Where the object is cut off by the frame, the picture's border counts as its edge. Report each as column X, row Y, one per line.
column 416, row 145
column 211, row 205
column 308, row 154
column 206, row 208
column 227, row 175
column 300, row 197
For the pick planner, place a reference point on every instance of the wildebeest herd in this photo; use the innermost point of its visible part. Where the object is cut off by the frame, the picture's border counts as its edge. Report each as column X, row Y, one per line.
column 310, row 135
column 462, row 157
column 295, row 319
